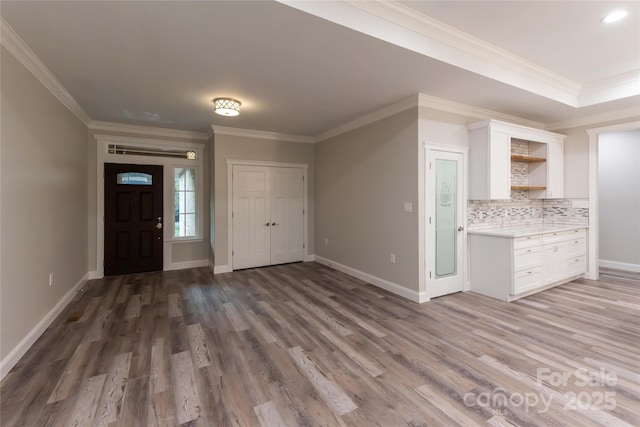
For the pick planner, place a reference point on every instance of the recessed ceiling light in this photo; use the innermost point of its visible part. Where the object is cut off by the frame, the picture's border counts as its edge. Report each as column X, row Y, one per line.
column 614, row 16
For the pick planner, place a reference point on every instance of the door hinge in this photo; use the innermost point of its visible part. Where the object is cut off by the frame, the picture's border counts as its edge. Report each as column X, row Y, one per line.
column 429, row 220
column 233, row 253
column 302, row 211
column 233, row 214
column 429, row 275
column 303, row 246
column 429, row 165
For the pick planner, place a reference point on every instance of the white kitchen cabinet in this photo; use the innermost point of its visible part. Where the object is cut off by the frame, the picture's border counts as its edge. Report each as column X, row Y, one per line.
column 490, row 164
column 507, row 265
column 490, row 159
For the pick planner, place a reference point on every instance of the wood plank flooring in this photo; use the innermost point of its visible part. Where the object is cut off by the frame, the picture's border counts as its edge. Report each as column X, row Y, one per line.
column 304, row 345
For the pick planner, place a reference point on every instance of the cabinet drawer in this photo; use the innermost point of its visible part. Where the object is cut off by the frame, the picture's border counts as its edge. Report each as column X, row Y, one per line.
column 527, row 280
column 576, row 265
column 562, row 236
column 527, row 258
column 576, row 248
column 527, row 241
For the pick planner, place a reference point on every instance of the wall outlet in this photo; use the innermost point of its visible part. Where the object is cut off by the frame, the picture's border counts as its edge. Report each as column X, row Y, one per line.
column 392, row 258
column 50, row 279
column 326, row 241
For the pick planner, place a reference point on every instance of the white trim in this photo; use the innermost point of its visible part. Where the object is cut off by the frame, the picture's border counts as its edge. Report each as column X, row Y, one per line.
column 610, row 89
column 372, row 117
column 441, row 104
column 309, row 258
column 148, row 142
column 219, row 269
column 609, row 116
column 260, row 134
column 186, row 264
column 23, row 53
column 426, row 231
column 92, row 275
column 230, row 164
column 593, row 254
column 626, row 266
column 394, row 288
column 398, row 24
column 19, row 350
column 146, row 130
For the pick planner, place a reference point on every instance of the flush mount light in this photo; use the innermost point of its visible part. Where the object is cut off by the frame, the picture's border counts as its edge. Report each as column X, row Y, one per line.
column 614, row 16
column 226, row 106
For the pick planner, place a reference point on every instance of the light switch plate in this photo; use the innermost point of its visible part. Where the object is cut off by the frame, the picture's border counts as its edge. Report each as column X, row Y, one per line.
column 408, row 207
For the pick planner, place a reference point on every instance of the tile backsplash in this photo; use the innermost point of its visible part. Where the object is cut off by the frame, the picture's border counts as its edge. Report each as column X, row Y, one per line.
column 521, row 210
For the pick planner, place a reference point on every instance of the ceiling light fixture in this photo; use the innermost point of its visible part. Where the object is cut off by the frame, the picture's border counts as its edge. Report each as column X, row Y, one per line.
column 614, row 16
column 226, row 106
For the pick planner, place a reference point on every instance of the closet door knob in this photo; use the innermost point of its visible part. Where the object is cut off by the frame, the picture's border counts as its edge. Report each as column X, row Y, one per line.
column 273, row 223
column 267, row 224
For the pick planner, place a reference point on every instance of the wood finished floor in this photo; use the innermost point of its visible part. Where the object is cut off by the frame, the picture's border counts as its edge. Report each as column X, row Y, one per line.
column 304, row 345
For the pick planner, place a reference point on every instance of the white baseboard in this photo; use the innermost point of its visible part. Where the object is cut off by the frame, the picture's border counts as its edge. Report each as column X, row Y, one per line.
column 381, row 283
column 222, row 269
column 18, row 351
column 309, row 258
column 635, row 268
column 92, row 275
column 187, row 264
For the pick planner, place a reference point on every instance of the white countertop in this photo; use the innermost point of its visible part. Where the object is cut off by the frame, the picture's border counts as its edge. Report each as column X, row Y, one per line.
column 525, row 230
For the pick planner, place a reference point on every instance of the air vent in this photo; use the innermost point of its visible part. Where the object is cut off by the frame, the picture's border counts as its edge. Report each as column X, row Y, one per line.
column 151, row 152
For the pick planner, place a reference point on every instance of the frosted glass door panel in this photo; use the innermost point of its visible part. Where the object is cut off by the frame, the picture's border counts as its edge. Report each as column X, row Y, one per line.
column 446, row 217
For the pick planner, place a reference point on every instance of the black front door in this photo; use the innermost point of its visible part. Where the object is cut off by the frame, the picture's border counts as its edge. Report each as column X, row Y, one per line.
column 132, row 218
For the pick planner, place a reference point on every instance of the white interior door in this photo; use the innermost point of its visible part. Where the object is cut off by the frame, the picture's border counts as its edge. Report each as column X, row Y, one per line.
column 251, row 217
column 267, row 215
column 287, row 219
column 445, row 224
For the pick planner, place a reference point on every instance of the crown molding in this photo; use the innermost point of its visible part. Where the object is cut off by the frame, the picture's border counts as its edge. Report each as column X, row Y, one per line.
column 473, row 112
column 372, row 117
column 23, row 53
column 610, row 89
column 398, row 24
column 610, row 116
column 146, row 131
column 261, row 134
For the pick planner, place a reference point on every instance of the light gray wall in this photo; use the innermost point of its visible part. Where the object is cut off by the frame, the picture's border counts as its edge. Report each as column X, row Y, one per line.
column 229, row 147
column 43, row 194
column 619, row 196
column 363, row 177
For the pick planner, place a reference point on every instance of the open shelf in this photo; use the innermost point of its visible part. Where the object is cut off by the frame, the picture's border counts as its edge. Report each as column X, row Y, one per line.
column 527, row 187
column 527, row 159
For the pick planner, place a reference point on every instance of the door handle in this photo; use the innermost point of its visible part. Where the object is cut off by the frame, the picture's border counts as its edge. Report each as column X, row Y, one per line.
column 159, row 224
column 267, row 224
column 461, row 228
column 273, row 223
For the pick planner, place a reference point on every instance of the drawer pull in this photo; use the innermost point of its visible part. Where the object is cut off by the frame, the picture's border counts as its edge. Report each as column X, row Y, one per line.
column 529, row 272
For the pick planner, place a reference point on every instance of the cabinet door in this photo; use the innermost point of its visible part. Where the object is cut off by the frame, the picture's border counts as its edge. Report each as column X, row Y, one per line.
column 555, row 170
column 554, row 262
column 499, row 164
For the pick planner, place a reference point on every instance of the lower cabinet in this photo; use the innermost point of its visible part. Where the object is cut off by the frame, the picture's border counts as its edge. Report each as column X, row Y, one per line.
column 509, row 268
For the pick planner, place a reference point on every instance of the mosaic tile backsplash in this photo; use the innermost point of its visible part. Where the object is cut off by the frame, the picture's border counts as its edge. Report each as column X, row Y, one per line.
column 521, row 210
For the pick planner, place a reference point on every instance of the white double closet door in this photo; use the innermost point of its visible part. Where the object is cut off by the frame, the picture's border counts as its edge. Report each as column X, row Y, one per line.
column 268, row 215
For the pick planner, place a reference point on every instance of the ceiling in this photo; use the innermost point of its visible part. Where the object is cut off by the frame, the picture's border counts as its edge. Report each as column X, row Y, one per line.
column 304, row 68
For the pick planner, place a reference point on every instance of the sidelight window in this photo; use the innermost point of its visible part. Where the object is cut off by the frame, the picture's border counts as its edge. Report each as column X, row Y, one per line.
column 185, row 218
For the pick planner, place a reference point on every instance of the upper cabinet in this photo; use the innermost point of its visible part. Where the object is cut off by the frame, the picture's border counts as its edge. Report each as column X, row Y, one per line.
column 505, row 157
